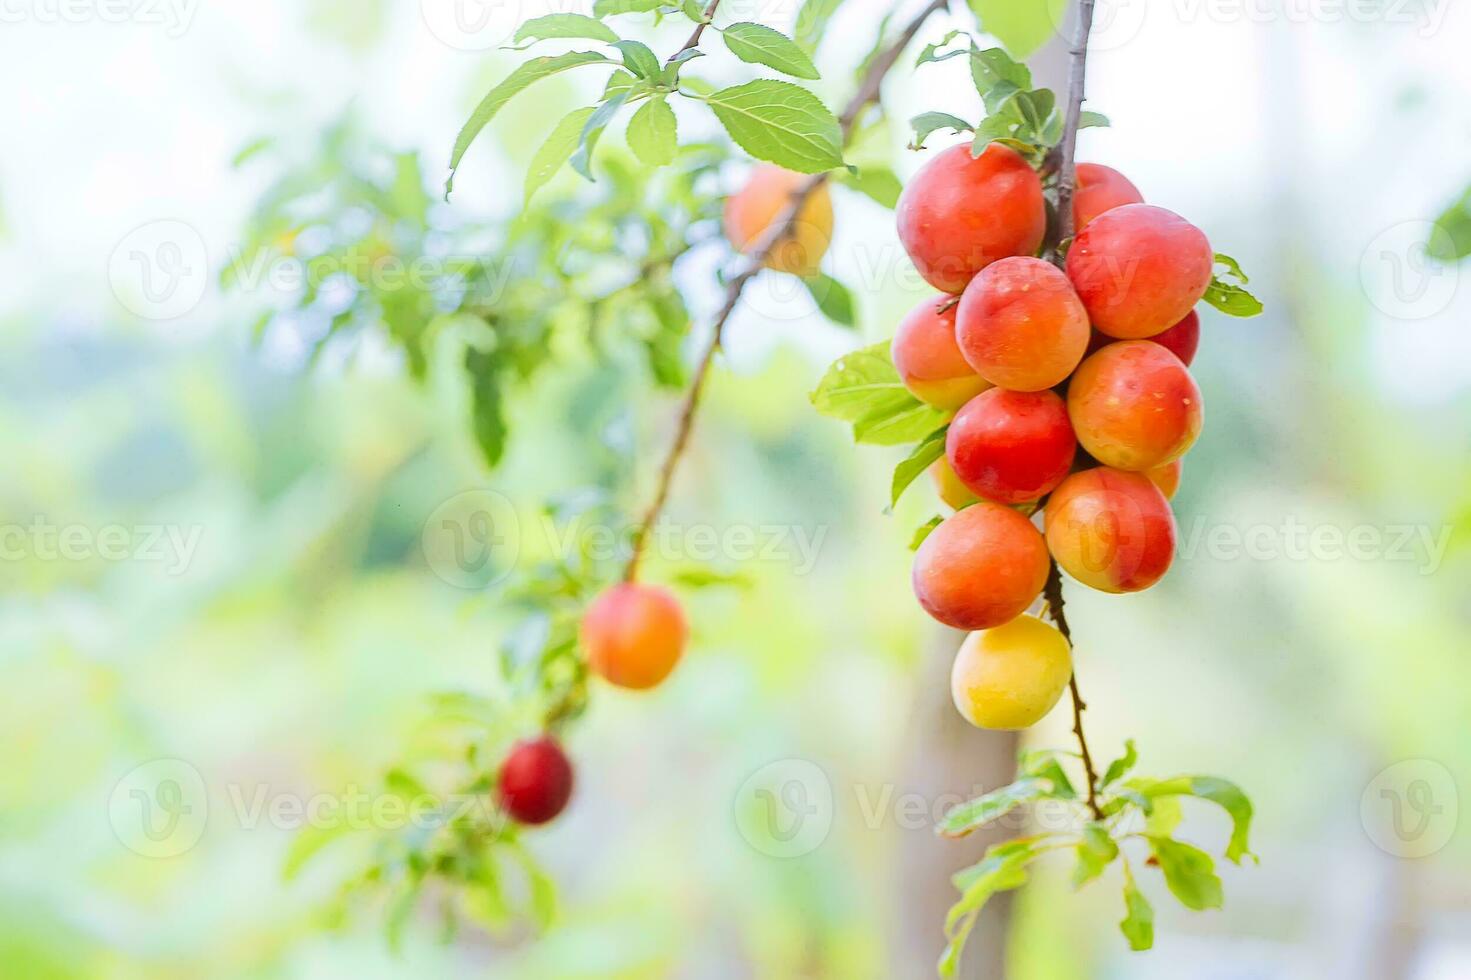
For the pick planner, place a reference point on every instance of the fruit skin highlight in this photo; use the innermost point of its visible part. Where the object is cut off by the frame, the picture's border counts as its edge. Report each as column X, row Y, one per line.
column 535, row 781
column 1021, row 326
column 959, row 213
column 929, row 361
column 1011, row 446
column 761, row 200
column 1139, row 269
column 1134, row 406
column 634, row 635
column 981, row 567
column 1100, row 189
column 1009, row 677
column 1111, row 530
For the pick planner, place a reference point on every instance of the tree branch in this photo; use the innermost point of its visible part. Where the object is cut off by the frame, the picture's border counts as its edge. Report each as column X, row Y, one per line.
column 694, row 39
column 868, row 93
column 1066, row 180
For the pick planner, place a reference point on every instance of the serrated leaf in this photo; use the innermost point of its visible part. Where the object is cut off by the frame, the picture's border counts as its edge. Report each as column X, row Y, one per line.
column 878, row 184
column 1035, row 107
column 863, row 388
column 923, row 531
column 1189, row 872
column 558, row 147
column 997, row 76
column 1233, row 268
column 758, row 44
column 639, row 59
column 528, row 73
column 1138, row 922
column 1121, row 766
column 652, row 133
column 931, row 448
column 1222, row 792
column 1096, row 852
column 833, row 298
column 592, row 130
column 781, row 123
column 565, row 25
column 928, row 122
column 974, row 814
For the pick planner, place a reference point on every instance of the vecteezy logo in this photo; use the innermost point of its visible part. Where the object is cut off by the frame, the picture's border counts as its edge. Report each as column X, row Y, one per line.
column 160, row 270
column 785, row 808
column 1411, row 809
column 473, row 539
column 1400, row 277
column 159, row 809
column 471, row 25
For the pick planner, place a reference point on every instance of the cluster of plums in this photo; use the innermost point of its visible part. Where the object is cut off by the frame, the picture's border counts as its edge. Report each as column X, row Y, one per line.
column 632, row 636
column 1071, row 399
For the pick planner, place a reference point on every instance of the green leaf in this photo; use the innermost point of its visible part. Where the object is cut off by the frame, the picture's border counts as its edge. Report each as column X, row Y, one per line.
column 1022, row 26
column 879, row 184
column 931, row 448
column 1451, row 240
column 781, row 123
column 486, row 404
column 1233, row 268
column 565, row 25
column 608, row 8
column 587, row 141
column 976, row 813
column 863, row 388
column 558, row 147
column 704, row 577
column 1222, row 792
column 1002, row 868
column 1044, row 764
column 997, row 76
column 529, row 72
column 1165, row 817
column 832, row 298
column 1096, row 852
column 1232, row 299
column 1035, row 107
column 923, row 531
column 1189, row 872
column 639, row 59
column 1090, row 119
column 933, row 53
column 652, row 134
column 812, row 22
column 927, row 122
column 1138, row 923
column 758, row 44
column 1121, row 766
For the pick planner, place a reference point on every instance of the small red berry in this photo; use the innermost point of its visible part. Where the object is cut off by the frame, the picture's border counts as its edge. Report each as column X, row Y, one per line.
column 535, row 781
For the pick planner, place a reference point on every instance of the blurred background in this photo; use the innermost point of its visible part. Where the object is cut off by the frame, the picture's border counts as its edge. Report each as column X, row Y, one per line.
column 224, row 596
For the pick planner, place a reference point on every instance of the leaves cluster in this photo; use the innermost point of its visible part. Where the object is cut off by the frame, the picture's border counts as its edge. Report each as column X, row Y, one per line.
column 1140, row 814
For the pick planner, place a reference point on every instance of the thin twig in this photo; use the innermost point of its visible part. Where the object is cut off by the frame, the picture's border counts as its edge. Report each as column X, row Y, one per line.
column 868, row 92
column 1067, row 177
column 694, row 39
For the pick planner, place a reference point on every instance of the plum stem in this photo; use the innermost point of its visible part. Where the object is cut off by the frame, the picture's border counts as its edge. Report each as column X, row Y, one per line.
column 868, row 93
